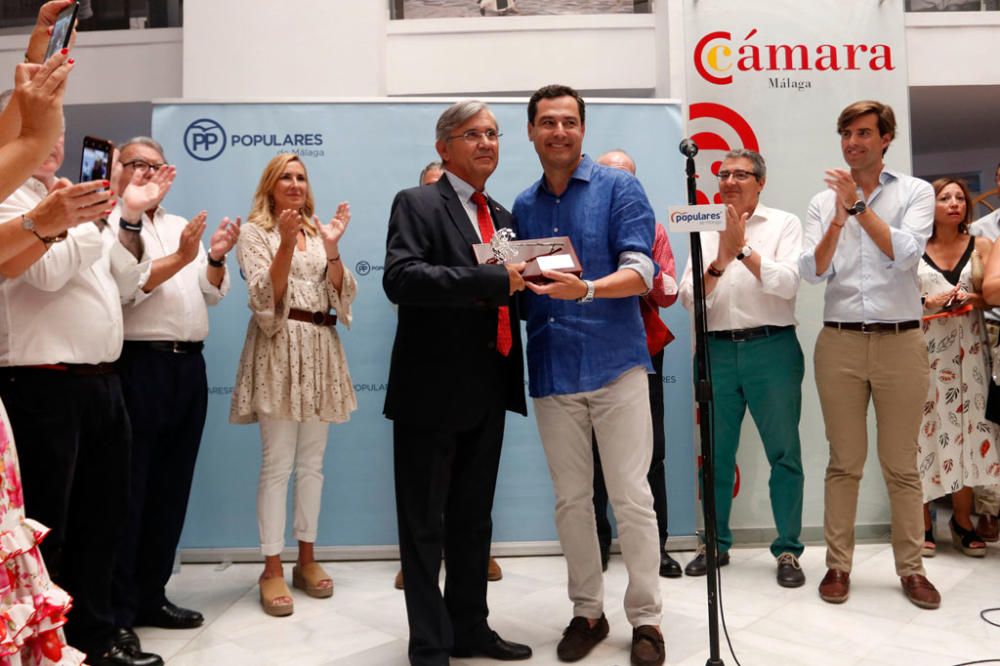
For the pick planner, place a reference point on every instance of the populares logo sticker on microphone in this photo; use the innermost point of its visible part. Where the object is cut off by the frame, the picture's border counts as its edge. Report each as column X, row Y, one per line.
column 717, row 129
column 718, row 59
column 205, row 139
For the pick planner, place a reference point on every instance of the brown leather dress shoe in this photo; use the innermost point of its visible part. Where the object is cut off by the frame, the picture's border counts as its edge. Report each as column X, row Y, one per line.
column 579, row 638
column 988, row 528
column 835, row 586
column 494, row 572
column 647, row 646
column 920, row 591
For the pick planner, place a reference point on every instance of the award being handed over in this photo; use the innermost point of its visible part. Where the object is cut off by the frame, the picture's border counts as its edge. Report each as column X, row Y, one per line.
column 540, row 254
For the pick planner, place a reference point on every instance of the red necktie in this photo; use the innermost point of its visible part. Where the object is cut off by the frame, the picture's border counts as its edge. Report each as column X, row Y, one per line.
column 503, row 313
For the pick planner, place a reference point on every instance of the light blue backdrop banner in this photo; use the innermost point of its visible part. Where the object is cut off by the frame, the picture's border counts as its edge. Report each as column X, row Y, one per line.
column 364, row 152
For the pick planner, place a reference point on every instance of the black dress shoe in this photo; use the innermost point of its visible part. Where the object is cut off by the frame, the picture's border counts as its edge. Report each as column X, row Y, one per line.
column 169, row 616
column 699, row 565
column 669, row 568
column 494, row 647
column 125, row 651
column 790, row 572
column 605, row 556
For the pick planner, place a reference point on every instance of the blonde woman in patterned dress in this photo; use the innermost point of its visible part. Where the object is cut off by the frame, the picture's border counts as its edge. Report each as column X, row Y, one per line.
column 293, row 375
column 957, row 445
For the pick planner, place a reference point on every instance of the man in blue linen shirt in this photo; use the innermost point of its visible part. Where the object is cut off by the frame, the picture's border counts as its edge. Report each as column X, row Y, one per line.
column 864, row 237
column 588, row 361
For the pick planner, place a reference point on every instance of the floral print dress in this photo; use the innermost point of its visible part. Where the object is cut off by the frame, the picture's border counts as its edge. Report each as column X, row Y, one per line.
column 32, row 607
column 957, row 445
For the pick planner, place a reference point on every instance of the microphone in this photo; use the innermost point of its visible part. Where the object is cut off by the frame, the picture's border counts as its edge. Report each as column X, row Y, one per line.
column 688, row 148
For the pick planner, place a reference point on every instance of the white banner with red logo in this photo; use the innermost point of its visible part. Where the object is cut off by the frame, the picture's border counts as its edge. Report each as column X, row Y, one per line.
column 772, row 76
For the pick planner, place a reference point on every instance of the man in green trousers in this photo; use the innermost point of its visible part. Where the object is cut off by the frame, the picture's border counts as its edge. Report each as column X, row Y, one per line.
column 755, row 360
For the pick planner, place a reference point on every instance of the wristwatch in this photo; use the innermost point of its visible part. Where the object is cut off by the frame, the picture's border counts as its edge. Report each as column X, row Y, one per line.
column 858, row 208
column 28, row 224
column 745, row 252
column 589, row 296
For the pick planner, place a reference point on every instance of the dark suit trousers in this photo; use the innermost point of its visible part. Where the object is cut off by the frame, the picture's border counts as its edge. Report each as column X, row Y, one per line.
column 167, row 398
column 72, row 436
column 444, row 498
column 657, row 475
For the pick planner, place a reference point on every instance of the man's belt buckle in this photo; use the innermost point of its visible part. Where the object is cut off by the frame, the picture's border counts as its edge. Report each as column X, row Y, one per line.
column 741, row 335
column 319, row 318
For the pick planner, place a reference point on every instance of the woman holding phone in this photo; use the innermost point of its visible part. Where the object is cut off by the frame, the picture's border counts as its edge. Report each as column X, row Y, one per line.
column 293, row 375
column 957, row 444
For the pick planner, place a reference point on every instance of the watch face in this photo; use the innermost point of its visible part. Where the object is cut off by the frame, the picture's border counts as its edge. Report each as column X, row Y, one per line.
column 27, row 223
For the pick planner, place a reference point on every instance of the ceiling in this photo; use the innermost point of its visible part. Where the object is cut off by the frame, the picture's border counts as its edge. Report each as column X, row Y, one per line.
column 954, row 118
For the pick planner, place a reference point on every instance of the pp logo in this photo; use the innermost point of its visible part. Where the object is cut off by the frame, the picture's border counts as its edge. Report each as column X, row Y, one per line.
column 204, row 139
column 363, row 268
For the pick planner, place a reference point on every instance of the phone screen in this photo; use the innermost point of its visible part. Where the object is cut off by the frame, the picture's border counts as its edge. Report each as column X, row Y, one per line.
column 96, row 161
column 62, row 30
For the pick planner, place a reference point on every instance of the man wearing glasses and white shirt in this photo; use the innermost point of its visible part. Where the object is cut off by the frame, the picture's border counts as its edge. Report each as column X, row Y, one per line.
column 864, row 237
column 167, row 280
column 756, row 360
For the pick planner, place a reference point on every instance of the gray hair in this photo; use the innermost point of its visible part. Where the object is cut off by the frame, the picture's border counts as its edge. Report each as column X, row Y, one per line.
column 430, row 167
column 759, row 167
column 458, row 113
column 147, row 141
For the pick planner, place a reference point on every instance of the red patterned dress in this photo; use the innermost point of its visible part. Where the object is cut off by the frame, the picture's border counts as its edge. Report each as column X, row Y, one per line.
column 32, row 607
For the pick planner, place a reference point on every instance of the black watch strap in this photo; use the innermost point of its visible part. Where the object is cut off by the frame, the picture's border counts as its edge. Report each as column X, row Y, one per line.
column 130, row 226
column 217, row 263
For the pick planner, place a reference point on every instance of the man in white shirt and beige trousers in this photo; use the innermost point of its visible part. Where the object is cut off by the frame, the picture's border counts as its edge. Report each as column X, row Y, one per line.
column 864, row 237
column 756, row 360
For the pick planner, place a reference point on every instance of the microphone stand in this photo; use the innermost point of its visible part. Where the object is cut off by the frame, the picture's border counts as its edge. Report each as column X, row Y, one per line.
column 703, row 396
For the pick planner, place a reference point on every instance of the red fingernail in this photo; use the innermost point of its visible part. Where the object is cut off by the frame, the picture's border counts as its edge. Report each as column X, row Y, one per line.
column 64, row 51
column 106, row 183
column 71, row 61
column 111, row 193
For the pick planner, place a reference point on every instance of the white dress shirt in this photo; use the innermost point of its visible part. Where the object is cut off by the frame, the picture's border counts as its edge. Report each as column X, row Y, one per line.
column 739, row 299
column 65, row 308
column 176, row 310
column 988, row 226
column 862, row 283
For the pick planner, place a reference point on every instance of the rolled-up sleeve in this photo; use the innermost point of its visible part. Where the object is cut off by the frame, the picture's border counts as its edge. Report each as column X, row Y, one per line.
column 909, row 240
column 64, row 260
column 813, row 234
column 780, row 276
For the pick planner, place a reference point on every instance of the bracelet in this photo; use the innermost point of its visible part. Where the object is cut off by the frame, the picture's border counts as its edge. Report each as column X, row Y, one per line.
column 129, row 226
column 715, row 272
column 839, row 226
column 49, row 240
column 217, row 263
column 337, row 258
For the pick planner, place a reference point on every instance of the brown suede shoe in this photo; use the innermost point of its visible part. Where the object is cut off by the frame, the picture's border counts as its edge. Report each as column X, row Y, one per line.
column 579, row 638
column 494, row 572
column 920, row 591
column 398, row 583
column 647, row 646
column 835, row 586
column 988, row 528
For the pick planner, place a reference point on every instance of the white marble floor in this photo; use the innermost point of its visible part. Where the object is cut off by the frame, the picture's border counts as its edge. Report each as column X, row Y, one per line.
column 364, row 624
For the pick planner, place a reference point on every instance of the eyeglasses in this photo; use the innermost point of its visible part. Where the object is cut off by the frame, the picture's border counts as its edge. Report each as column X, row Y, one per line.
column 475, row 136
column 739, row 175
column 142, row 166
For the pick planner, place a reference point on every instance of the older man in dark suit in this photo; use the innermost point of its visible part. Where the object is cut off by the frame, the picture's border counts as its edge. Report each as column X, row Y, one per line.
column 456, row 369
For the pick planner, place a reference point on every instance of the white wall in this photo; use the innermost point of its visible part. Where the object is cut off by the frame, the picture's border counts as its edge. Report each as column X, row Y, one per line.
column 295, row 48
column 350, row 48
column 113, row 66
